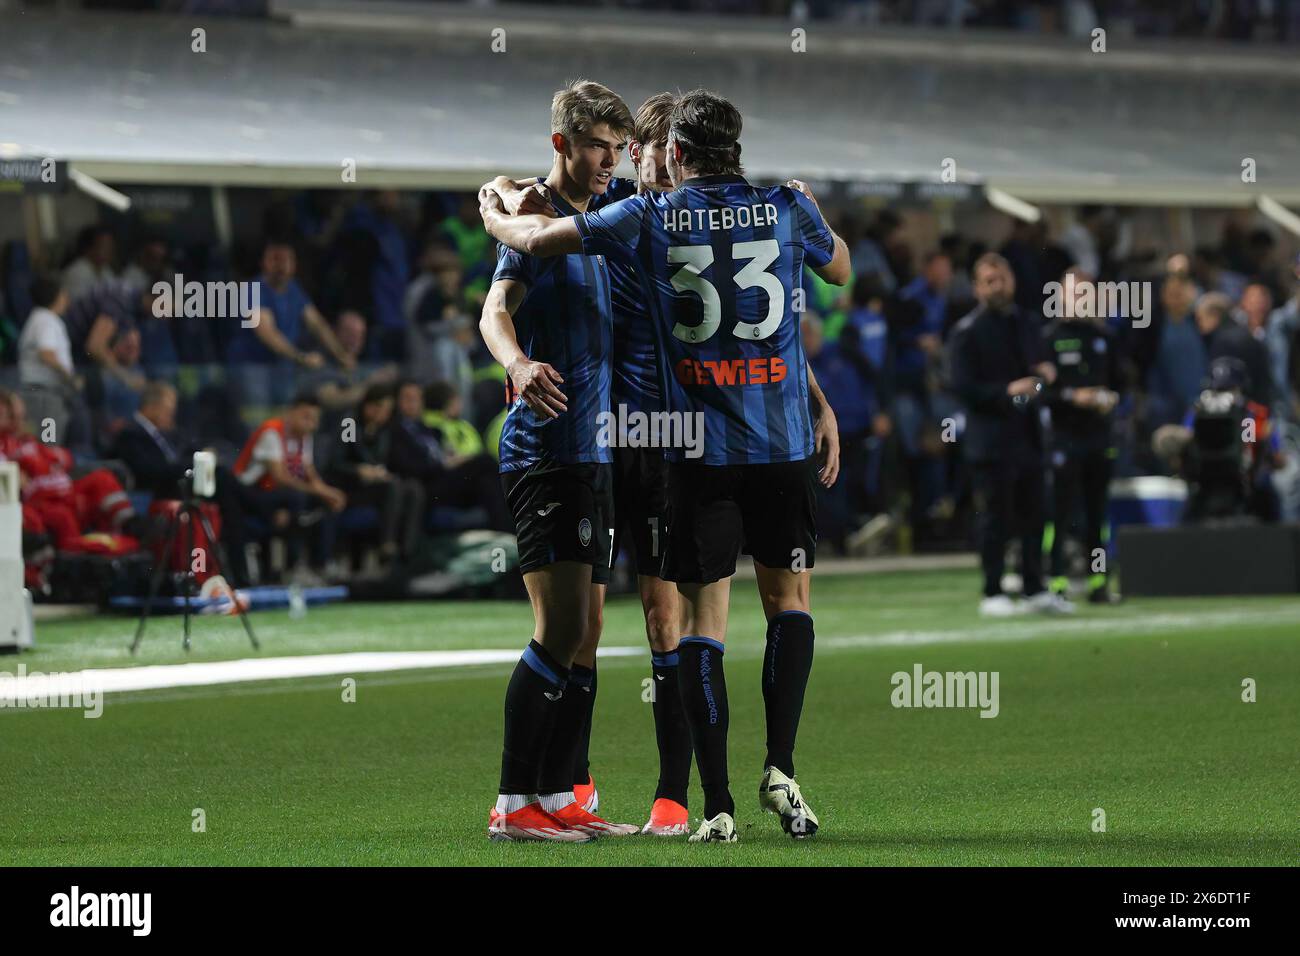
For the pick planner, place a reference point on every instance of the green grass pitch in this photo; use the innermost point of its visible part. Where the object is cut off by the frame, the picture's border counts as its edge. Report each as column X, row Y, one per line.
column 1136, row 710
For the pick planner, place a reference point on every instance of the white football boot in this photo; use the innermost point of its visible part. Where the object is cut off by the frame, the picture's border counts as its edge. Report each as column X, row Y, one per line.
column 721, row 829
column 779, row 794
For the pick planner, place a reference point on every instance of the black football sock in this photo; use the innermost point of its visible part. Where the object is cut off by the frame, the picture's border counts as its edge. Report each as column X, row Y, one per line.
column 787, row 663
column 582, row 682
column 671, row 731
column 704, row 701
column 533, row 700
column 556, row 774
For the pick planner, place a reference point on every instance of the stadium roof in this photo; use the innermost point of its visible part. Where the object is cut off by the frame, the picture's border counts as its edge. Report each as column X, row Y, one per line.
column 414, row 94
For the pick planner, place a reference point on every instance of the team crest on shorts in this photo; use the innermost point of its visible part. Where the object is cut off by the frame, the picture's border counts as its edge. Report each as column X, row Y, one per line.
column 584, row 531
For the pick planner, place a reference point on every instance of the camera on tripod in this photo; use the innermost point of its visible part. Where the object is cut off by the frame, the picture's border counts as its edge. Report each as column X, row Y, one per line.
column 203, row 474
column 198, row 482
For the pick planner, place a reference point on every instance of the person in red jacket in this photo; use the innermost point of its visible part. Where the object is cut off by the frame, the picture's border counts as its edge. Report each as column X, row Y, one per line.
column 68, row 508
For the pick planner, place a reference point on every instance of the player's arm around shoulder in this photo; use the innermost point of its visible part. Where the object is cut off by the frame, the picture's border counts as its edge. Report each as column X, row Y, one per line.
column 536, row 235
column 839, row 269
column 523, row 197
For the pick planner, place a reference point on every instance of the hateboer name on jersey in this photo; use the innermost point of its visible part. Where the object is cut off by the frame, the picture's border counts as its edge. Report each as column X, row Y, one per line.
column 721, row 262
column 687, row 218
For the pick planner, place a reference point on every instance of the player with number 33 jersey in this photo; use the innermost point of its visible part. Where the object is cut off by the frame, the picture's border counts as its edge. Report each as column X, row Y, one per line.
column 722, row 259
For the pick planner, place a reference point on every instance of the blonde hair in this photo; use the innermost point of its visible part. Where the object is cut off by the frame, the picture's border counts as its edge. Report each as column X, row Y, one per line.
column 583, row 105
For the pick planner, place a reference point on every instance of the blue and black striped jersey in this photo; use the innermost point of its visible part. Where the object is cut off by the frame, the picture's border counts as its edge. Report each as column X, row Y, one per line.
column 565, row 321
column 722, row 260
column 636, row 358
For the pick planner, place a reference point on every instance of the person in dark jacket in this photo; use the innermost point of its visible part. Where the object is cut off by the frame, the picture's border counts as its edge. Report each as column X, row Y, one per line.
column 1170, row 354
column 158, row 460
column 457, row 480
column 998, row 370
column 360, row 468
column 1224, row 337
column 1082, row 401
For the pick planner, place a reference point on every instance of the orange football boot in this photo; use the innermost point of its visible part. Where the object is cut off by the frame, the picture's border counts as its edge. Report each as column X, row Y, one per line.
column 587, row 822
column 587, row 795
column 667, row 818
column 532, row 823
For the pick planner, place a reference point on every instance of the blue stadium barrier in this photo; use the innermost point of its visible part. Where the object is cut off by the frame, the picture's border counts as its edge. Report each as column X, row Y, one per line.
column 259, row 599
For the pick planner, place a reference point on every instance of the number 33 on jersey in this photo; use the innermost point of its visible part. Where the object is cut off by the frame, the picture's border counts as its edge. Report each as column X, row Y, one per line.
column 720, row 260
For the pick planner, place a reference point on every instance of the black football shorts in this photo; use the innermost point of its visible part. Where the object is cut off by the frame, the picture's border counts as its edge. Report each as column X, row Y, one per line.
column 641, row 506
column 715, row 509
column 563, row 512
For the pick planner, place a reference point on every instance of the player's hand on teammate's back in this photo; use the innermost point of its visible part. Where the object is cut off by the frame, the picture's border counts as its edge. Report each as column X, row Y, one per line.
column 537, row 384
column 826, row 438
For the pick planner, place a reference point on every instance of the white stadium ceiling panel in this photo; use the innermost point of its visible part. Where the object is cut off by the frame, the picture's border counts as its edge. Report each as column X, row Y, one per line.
column 125, row 99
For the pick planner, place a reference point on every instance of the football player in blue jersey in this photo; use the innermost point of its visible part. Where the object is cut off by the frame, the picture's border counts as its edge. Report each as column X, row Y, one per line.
column 548, row 322
column 722, row 260
column 640, row 473
column 641, row 489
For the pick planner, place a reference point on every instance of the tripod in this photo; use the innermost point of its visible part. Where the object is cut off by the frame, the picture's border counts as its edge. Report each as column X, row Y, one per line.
column 187, row 514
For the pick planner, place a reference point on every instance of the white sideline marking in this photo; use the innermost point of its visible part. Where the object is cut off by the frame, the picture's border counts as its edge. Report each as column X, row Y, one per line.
column 1034, row 627
column 163, row 676
column 157, row 676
